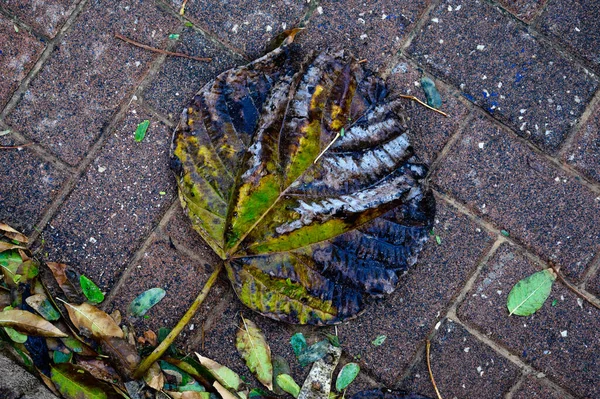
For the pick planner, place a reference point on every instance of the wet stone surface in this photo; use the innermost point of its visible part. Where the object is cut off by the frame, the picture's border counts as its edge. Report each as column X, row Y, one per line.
column 116, row 203
column 47, row 16
column 534, row 388
column 18, row 53
column 463, row 367
column 525, row 10
column 67, row 108
column 415, row 307
column 180, row 78
column 521, row 82
column 553, row 337
column 27, row 186
column 572, row 23
column 247, row 26
column 505, row 181
column 584, row 153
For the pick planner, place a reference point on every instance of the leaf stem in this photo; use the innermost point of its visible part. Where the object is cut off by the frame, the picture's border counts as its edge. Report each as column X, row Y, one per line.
column 430, row 373
column 164, row 345
column 157, row 50
column 423, row 104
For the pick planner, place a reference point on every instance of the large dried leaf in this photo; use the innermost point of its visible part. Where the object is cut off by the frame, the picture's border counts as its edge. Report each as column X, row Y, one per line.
column 28, row 323
column 304, row 240
column 92, row 321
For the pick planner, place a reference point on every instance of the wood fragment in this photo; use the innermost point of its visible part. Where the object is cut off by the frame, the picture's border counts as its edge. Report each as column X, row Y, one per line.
column 570, row 286
column 430, row 373
column 182, row 9
column 157, row 50
column 423, row 104
column 14, row 147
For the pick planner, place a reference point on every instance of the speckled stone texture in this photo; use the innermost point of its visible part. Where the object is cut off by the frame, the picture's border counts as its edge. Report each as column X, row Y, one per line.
column 372, row 30
column 116, row 203
column 246, row 26
column 18, row 53
column 420, row 298
column 522, row 82
column 593, row 285
column 574, row 24
column 556, row 336
column 463, row 367
column 525, row 10
column 535, row 388
column 584, row 152
column 502, row 179
column 28, row 184
column 67, row 108
column 180, row 78
column 46, row 16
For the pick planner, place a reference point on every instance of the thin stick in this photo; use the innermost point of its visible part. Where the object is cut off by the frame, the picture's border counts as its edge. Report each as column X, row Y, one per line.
column 182, row 9
column 164, row 345
column 13, row 147
column 423, row 104
column 430, row 373
column 573, row 288
column 157, row 50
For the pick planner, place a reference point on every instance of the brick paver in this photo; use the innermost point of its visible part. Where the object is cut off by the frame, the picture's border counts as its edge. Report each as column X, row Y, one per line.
column 113, row 213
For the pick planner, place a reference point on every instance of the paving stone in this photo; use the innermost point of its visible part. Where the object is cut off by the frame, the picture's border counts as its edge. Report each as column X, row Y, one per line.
column 181, row 234
column 593, row 285
column 18, row 52
column 28, row 184
column 535, row 388
column 463, row 367
column 116, row 203
column 507, row 182
column 575, row 25
column 520, row 81
column 180, row 78
column 429, row 131
column 17, row 383
column 89, row 74
column 180, row 276
column 45, row 16
column 525, row 10
column 584, row 153
column 561, row 341
column 371, row 30
column 248, row 26
column 408, row 315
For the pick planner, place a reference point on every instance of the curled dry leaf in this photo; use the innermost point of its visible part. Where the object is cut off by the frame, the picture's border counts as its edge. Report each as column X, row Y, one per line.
column 28, row 323
column 68, row 287
column 92, row 321
column 306, row 237
column 255, row 350
column 12, row 233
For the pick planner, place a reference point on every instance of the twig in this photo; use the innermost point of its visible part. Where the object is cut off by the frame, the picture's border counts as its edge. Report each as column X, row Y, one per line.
column 182, row 9
column 572, row 287
column 423, row 104
column 13, row 147
column 430, row 373
column 157, row 50
column 164, row 345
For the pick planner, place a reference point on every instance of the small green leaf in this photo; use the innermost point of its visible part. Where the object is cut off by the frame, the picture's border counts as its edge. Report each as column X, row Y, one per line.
column 438, row 240
column 143, row 302
column 342, row 132
column 224, row 375
column 313, row 353
column 253, row 347
column 379, row 340
column 15, row 336
column 174, row 36
column 298, row 343
column 334, row 340
column 90, row 290
column 162, row 193
column 140, row 131
column 347, row 374
column 554, row 302
column 504, row 233
column 16, row 28
column 287, row 383
column 530, row 293
column 433, row 96
column 188, row 24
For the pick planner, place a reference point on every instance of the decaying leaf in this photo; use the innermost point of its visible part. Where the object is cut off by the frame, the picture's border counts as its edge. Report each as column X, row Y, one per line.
column 346, row 375
column 287, row 383
column 298, row 342
column 530, row 293
column 318, row 383
column 313, row 353
column 306, row 238
column 224, row 375
column 41, row 304
column 143, row 302
column 61, row 273
column 255, row 350
column 280, row 366
column 123, row 354
column 92, row 321
column 76, row 383
column 28, row 323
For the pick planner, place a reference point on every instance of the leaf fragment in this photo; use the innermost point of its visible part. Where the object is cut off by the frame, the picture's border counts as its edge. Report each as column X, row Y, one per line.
column 63, row 275
column 287, row 383
column 253, row 347
column 92, row 321
column 41, row 304
column 529, row 294
column 298, row 342
column 147, row 299
column 224, row 375
column 346, row 375
column 15, row 336
column 140, row 131
column 379, row 340
column 320, row 375
column 434, row 99
column 28, row 323
column 91, row 290
column 313, row 353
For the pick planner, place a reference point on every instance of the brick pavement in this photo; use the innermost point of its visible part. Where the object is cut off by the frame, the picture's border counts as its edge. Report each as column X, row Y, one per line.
column 520, row 152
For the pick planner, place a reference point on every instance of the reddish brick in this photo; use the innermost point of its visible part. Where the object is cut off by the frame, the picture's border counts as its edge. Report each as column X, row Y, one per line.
column 116, row 203
column 249, row 26
column 463, row 367
column 499, row 66
column 371, row 30
column 88, row 75
column 45, row 16
column 584, row 153
column 28, row 185
column 429, row 132
column 560, row 341
column 535, row 388
column 180, row 78
column 508, row 183
column 408, row 315
column 525, row 10
column 575, row 25
column 18, row 52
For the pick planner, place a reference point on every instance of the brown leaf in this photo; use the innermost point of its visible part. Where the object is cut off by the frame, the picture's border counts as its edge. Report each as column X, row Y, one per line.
column 28, row 323
column 151, row 338
column 5, row 246
column 116, row 316
column 59, row 271
column 123, row 355
column 92, row 321
column 12, row 233
column 154, row 377
column 100, row 369
column 225, row 394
